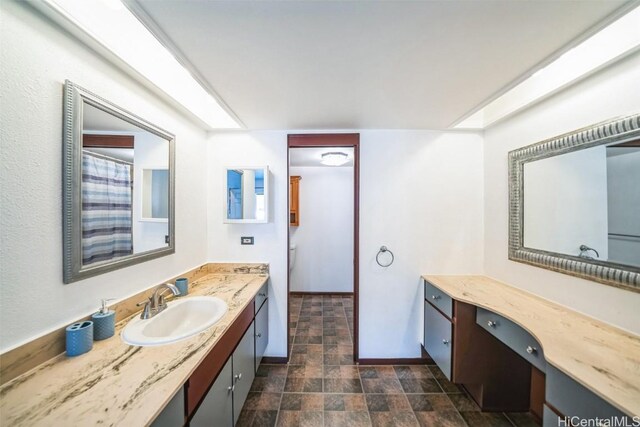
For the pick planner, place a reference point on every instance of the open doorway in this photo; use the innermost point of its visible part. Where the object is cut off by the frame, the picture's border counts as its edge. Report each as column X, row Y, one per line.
column 323, row 248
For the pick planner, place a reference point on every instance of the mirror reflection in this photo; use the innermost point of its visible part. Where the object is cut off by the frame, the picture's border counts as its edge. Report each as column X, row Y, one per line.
column 118, row 187
column 246, row 195
column 586, row 203
column 125, row 188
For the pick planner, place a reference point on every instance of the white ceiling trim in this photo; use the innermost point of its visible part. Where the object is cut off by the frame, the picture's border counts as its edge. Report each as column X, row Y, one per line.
column 109, row 28
column 134, row 7
column 545, row 79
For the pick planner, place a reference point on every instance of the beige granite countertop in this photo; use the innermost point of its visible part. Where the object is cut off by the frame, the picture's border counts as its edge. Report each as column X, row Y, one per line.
column 601, row 357
column 116, row 384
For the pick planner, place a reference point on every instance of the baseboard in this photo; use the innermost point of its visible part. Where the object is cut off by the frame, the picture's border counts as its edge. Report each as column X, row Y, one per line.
column 397, row 361
column 342, row 294
column 426, row 356
column 274, row 360
column 424, row 360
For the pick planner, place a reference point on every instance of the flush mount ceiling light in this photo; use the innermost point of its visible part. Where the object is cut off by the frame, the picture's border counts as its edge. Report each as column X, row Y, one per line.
column 112, row 29
column 335, row 158
column 610, row 44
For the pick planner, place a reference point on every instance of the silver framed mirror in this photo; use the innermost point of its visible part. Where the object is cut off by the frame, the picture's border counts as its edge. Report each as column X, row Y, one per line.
column 574, row 203
column 118, row 187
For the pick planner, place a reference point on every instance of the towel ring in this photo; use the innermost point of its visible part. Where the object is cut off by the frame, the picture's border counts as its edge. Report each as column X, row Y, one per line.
column 382, row 250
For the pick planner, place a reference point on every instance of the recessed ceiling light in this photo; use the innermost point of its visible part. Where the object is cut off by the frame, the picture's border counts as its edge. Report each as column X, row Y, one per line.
column 334, row 158
column 612, row 43
column 114, row 28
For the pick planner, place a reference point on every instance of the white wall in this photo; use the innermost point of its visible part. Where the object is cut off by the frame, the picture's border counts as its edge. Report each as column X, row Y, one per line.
column 36, row 59
column 439, row 231
column 324, row 238
column 604, row 95
column 421, row 196
column 253, row 149
column 566, row 202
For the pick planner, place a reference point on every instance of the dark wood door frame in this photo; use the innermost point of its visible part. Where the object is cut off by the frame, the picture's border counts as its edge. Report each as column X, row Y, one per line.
column 332, row 140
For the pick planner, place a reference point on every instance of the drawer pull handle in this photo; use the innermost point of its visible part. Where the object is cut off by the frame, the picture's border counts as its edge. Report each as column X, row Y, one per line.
column 238, row 377
column 445, row 342
column 492, row 324
column 262, row 294
column 435, row 297
column 231, row 388
column 531, row 350
column 259, row 335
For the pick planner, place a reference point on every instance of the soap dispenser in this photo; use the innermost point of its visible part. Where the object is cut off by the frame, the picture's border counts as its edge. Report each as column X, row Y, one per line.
column 104, row 322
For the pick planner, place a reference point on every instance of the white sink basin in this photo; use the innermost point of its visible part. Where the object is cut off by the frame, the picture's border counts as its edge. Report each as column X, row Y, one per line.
column 183, row 318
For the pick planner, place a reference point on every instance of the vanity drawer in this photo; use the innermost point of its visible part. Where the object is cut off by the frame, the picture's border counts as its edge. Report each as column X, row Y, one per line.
column 575, row 400
column 261, row 296
column 438, row 298
column 437, row 338
column 514, row 336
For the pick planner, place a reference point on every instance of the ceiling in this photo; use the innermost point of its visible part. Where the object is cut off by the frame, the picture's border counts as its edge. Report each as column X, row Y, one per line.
column 311, row 156
column 366, row 64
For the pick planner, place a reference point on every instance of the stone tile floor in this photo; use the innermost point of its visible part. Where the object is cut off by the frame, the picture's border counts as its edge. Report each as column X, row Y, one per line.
column 321, row 386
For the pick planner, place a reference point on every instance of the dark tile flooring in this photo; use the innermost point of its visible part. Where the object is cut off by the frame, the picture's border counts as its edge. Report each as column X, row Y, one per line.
column 321, row 386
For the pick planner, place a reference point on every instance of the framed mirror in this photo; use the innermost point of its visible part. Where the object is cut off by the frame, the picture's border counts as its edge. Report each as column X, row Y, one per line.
column 574, row 203
column 246, row 195
column 118, row 173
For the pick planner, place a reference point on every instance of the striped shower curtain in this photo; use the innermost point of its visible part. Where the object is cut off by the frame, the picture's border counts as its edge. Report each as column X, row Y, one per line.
column 106, row 209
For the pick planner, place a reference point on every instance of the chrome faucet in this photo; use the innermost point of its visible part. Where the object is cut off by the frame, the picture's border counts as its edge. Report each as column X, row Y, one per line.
column 156, row 303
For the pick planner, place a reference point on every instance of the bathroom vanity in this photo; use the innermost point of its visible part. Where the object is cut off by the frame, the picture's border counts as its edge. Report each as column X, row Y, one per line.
column 513, row 351
column 203, row 379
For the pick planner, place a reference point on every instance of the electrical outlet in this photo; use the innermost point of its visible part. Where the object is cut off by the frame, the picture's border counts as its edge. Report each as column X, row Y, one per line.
column 246, row 240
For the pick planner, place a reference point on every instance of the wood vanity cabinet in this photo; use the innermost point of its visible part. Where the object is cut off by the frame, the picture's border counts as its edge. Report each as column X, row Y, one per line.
column 216, row 391
column 217, row 407
column 223, row 402
column 294, row 202
column 503, row 366
column 495, row 376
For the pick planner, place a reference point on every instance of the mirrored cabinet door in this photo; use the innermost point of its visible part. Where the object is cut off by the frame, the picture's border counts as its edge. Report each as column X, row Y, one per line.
column 246, row 195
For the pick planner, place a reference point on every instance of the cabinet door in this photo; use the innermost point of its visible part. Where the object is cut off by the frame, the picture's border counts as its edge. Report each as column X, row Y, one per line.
column 173, row 414
column 550, row 418
column 217, row 407
column 262, row 333
column 261, row 297
column 437, row 338
column 243, row 370
column 294, row 205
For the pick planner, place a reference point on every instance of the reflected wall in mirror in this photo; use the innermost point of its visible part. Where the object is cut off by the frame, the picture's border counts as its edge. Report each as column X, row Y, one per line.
column 575, row 203
column 246, row 194
column 118, row 189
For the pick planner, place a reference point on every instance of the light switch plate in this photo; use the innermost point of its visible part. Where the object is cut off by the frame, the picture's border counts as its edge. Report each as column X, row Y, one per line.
column 246, row 240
